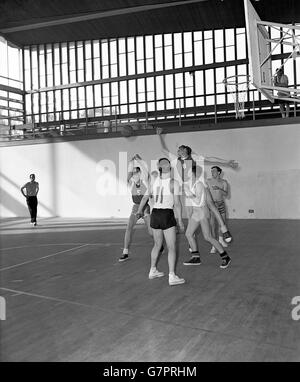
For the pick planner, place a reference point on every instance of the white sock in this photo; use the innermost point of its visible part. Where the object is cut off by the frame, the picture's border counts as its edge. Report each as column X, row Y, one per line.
column 125, row 251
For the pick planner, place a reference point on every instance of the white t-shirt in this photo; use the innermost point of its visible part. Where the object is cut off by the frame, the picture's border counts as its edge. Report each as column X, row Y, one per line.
column 163, row 197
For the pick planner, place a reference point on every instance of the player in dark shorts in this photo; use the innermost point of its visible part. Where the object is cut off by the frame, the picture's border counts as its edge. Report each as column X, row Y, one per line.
column 165, row 194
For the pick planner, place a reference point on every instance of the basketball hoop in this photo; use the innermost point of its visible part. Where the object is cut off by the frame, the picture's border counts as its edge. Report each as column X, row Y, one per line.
column 238, row 87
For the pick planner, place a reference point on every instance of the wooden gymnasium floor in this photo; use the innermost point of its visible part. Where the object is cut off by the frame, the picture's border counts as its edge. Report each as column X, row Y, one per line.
column 68, row 298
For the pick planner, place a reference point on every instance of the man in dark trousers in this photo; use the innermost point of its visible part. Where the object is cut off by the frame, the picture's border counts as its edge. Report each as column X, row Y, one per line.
column 32, row 189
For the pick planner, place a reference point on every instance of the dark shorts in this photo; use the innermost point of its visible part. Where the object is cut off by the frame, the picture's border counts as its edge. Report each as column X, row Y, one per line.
column 220, row 206
column 162, row 219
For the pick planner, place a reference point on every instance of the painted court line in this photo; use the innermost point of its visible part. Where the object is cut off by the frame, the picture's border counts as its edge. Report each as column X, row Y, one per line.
column 42, row 258
column 18, row 292
column 175, row 324
column 39, row 245
column 57, row 244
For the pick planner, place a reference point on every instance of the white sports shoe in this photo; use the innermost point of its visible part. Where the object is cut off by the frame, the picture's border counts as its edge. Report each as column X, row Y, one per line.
column 213, row 250
column 154, row 273
column 175, row 280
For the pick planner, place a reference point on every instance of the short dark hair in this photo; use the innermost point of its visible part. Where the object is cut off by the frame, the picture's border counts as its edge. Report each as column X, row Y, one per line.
column 217, row 168
column 31, row 175
column 163, row 159
column 137, row 169
column 187, row 148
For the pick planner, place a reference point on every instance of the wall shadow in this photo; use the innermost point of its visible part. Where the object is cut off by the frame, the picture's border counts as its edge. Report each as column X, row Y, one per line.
column 13, row 205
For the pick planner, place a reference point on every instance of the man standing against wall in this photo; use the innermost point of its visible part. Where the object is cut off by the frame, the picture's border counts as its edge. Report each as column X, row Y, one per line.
column 32, row 189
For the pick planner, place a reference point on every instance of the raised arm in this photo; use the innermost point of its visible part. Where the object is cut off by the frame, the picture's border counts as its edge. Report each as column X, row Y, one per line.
column 143, row 166
column 130, row 170
column 214, row 160
column 164, row 147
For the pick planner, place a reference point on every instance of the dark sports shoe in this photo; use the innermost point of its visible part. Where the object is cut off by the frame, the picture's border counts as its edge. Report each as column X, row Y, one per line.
column 124, row 257
column 225, row 262
column 227, row 236
column 194, row 260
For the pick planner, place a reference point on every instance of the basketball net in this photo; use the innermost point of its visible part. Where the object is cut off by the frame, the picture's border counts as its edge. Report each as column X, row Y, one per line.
column 238, row 87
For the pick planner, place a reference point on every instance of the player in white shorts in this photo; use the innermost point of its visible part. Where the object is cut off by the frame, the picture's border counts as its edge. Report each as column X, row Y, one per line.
column 200, row 216
column 165, row 193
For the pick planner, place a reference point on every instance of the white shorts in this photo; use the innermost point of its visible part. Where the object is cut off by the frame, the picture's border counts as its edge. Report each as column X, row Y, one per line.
column 200, row 213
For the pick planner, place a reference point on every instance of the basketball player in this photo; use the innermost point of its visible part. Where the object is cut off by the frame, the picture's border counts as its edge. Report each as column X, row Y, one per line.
column 138, row 181
column 219, row 190
column 197, row 193
column 32, row 189
column 165, row 193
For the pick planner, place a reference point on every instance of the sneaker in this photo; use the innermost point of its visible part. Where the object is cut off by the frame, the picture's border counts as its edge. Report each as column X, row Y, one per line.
column 225, row 262
column 175, row 280
column 154, row 273
column 213, row 250
column 194, row 260
column 35, row 224
column 124, row 257
column 227, row 237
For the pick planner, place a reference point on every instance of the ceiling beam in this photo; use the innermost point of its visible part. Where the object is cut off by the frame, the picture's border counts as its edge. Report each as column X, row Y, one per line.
column 96, row 15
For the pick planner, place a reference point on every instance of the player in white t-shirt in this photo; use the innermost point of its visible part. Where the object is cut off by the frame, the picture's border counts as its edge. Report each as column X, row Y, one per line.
column 164, row 191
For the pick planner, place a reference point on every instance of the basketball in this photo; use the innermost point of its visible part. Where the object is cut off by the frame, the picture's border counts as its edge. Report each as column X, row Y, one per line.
column 127, row 131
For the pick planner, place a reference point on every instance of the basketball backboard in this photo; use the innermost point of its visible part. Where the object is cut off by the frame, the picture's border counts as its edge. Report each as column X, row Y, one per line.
column 259, row 47
column 260, row 53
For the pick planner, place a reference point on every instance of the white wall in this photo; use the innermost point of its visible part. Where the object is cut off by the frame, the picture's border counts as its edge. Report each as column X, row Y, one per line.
column 71, row 178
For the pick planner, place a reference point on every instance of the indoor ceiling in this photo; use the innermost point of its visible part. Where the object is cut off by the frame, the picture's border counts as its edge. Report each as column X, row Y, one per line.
column 27, row 22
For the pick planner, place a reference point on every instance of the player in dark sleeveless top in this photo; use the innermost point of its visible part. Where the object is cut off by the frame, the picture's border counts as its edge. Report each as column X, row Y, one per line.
column 138, row 181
